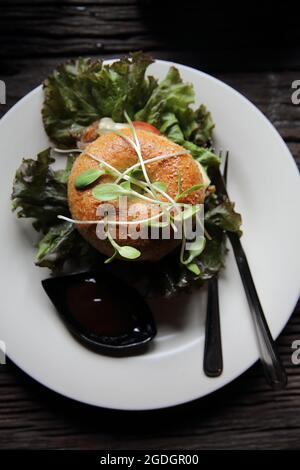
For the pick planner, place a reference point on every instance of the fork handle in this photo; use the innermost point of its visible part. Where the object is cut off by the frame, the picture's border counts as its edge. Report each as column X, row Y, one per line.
column 273, row 368
column 213, row 357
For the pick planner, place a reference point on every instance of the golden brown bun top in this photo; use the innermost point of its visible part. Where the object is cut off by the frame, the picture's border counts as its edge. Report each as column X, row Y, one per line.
column 114, row 150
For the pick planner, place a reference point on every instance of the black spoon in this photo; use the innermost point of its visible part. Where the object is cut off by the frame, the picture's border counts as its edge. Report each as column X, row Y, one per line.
column 101, row 311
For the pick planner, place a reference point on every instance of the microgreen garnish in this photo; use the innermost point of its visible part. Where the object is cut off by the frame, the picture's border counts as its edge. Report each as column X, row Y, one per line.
column 139, row 152
column 108, row 167
column 195, row 187
column 111, row 222
column 109, row 260
column 109, row 191
column 178, row 184
column 126, row 185
column 74, row 150
column 150, row 160
column 187, row 212
column 194, row 268
column 88, row 177
column 194, row 249
column 128, row 252
column 159, row 185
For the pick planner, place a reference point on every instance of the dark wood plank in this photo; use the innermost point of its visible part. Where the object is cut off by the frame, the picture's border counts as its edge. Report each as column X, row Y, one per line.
column 246, row 414
column 39, row 29
column 35, row 37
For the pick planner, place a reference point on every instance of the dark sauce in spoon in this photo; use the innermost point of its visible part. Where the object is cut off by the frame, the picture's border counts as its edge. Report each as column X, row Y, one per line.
column 96, row 307
column 101, row 311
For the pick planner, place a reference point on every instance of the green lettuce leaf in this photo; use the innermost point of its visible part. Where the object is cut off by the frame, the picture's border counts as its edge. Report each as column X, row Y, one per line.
column 224, row 216
column 62, row 244
column 56, row 245
column 39, row 192
column 81, row 92
column 168, row 109
column 212, row 258
column 169, row 104
column 202, row 133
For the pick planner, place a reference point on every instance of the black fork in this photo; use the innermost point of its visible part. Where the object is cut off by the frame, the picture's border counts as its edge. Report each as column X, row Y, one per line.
column 213, row 356
column 273, row 368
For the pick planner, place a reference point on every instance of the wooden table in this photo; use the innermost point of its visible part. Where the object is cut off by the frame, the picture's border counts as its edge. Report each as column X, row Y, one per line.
column 257, row 57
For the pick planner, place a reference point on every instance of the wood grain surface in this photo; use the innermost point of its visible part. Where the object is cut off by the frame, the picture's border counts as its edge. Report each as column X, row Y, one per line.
column 259, row 59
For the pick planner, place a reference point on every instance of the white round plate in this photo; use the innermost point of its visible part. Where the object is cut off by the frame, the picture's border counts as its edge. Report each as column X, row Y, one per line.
column 264, row 182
